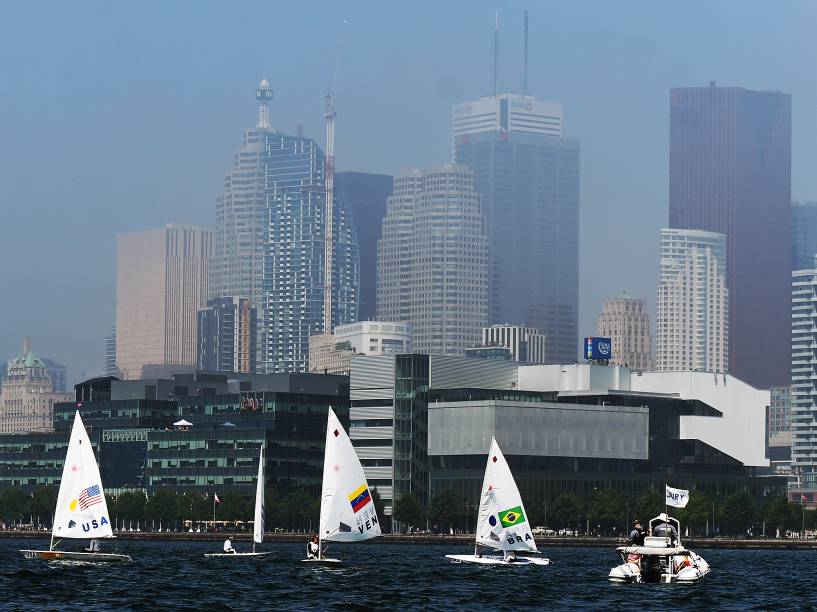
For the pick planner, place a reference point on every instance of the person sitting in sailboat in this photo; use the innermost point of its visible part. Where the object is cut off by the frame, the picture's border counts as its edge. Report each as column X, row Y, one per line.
column 228, row 546
column 313, row 548
column 93, row 546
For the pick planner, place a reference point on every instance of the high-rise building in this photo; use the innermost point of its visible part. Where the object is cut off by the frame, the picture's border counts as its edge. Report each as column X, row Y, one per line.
column 237, row 265
column 110, row 355
column 527, row 176
column 292, row 303
column 27, row 398
column 227, row 331
column 803, row 234
column 161, row 282
column 625, row 320
column 524, row 344
column 693, row 302
column 730, row 172
column 58, row 373
column 332, row 354
column 803, row 375
column 433, row 260
column 364, row 196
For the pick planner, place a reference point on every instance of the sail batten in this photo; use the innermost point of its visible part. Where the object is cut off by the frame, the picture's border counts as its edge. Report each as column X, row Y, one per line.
column 347, row 507
column 82, row 511
column 502, row 522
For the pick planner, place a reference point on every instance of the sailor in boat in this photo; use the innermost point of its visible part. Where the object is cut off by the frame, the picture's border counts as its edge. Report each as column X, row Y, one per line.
column 510, row 557
column 228, row 546
column 93, row 546
column 312, row 548
column 665, row 530
column 636, row 537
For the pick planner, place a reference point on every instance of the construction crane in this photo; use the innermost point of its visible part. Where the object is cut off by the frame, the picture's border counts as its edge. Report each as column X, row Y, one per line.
column 329, row 222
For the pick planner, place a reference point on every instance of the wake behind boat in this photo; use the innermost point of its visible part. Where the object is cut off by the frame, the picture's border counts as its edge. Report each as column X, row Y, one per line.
column 662, row 558
column 81, row 512
column 347, row 508
column 503, row 531
column 258, row 520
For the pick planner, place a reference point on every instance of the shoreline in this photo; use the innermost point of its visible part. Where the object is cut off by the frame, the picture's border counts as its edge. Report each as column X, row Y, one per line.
column 463, row 540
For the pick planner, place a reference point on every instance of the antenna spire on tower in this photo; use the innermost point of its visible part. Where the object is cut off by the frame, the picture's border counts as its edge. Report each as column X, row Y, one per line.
column 263, row 94
column 496, row 53
column 525, row 60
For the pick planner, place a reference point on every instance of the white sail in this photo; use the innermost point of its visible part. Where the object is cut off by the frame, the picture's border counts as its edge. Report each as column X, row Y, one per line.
column 347, row 507
column 258, row 521
column 81, row 508
column 502, row 522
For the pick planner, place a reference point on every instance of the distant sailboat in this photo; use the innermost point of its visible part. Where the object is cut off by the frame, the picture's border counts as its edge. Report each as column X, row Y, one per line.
column 502, row 523
column 347, row 508
column 82, row 512
column 258, row 519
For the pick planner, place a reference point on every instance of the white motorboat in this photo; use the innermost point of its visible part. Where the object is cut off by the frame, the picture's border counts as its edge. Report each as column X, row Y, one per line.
column 81, row 512
column 347, row 508
column 659, row 560
column 258, row 519
column 502, row 529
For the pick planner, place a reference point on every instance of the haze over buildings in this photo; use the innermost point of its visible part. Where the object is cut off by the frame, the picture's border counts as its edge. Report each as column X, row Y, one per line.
column 625, row 320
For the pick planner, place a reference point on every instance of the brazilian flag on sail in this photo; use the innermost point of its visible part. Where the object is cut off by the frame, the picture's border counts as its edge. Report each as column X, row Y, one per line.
column 511, row 517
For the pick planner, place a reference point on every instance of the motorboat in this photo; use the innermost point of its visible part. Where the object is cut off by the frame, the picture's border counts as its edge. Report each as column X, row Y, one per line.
column 661, row 559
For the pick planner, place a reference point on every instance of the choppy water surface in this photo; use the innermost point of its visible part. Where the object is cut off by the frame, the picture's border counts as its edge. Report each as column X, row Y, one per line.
column 175, row 576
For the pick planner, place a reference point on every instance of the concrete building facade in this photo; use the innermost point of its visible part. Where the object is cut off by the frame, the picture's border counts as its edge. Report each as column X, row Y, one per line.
column 625, row 320
column 692, row 322
column 27, row 396
column 162, row 279
column 730, row 172
column 525, row 343
column 527, row 176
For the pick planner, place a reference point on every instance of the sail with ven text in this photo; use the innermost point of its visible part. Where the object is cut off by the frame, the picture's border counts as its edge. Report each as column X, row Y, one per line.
column 81, row 508
column 502, row 522
column 347, row 508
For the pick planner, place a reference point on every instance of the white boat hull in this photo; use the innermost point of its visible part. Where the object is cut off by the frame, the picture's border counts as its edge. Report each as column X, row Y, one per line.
column 497, row 560
column 677, row 565
column 65, row 555
column 238, row 554
column 323, row 561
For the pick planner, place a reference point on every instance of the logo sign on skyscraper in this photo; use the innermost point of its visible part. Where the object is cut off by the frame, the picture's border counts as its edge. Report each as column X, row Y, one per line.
column 596, row 348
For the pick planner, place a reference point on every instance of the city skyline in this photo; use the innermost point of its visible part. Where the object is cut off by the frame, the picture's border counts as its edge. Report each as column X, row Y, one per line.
column 162, row 167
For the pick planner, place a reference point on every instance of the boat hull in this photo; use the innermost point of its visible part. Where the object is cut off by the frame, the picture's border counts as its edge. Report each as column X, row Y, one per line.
column 496, row 560
column 64, row 555
column 673, row 566
column 324, row 561
column 237, row 554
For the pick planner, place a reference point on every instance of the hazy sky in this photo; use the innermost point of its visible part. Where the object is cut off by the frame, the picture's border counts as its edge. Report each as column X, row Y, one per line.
column 122, row 116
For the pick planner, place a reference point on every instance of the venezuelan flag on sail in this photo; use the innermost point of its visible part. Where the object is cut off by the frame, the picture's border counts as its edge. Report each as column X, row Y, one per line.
column 512, row 517
column 359, row 497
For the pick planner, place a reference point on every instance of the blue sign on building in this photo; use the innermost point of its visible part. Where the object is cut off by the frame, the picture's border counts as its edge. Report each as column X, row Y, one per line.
column 598, row 348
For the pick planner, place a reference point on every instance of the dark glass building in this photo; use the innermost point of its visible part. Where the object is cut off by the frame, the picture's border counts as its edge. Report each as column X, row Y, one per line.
column 364, row 196
column 226, row 335
column 730, row 172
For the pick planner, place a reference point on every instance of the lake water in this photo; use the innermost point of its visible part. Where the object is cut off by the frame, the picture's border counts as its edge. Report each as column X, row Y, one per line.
column 175, row 576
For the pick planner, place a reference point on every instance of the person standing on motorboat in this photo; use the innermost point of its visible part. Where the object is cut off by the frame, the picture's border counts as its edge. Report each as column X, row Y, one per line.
column 313, row 548
column 636, row 537
column 228, row 546
column 665, row 530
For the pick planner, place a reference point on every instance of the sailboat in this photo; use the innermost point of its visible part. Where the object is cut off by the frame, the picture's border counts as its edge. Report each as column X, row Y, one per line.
column 258, row 520
column 347, row 508
column 502, row 523
column 82, row 512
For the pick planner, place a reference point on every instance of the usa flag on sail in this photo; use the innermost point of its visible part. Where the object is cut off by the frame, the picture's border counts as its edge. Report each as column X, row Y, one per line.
column 89, row 497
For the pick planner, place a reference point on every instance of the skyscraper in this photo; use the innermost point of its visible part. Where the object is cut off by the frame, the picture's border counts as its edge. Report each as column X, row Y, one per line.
column 226, row 335
column 803, row 375
column 803, row 234
column 693, row 302
column 433, row 260
column 161, row 282
column 730, row 172
column 527, row 176
column 364, row 197
column 110, row 355
column 625, row 320
column 293, row 281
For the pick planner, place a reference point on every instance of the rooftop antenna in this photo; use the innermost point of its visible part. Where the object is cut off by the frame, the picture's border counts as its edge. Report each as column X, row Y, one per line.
column 496, row 53
column 525, row 60
column 263, row 94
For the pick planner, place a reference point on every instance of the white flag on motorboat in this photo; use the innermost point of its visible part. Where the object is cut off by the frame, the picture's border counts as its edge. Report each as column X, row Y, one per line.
column 677, row 498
